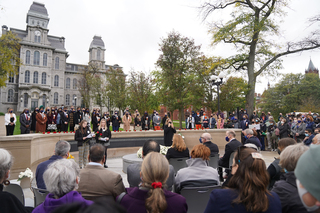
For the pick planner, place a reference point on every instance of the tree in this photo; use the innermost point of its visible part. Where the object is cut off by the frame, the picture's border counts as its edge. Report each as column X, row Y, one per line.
column 116, row 88
column 141, row 92
column 9, row 56
column 251, row 30
column 175, row 78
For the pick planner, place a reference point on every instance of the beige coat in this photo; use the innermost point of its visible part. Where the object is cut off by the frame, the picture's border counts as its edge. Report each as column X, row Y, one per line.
column 126, row 122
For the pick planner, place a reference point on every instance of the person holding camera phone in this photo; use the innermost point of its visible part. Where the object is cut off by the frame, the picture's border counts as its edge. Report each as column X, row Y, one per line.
column 169, row 131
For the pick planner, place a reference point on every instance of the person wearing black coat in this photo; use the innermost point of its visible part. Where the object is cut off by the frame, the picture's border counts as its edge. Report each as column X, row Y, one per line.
column 116, row 120
column 33, row 119
column 81, row 136
column 164, row 119
column 178, row 148
column 64, row 120
column 250, row 138
column 107, row 117
column 231, row 146
column 96, row 121
column 25, row 122
column 169, row 130
column 103, row 132
column 145, row 121
column 77, row 116
column 206, row 140
column 137, row 122
column 284, row 128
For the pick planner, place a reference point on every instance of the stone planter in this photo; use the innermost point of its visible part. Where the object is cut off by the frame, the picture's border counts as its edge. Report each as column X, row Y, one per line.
column 25, row 183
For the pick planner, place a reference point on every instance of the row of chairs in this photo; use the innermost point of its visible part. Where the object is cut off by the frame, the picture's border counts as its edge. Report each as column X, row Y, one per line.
column 39, row 195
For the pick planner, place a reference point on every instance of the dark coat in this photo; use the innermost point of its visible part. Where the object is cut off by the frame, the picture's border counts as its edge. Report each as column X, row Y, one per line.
column 77, row 117
column 253, row 140
column 288, row 194
column 137, row 121
column 143, row 122
column 34, row 121
column 115, row 121
column 284, row 130
column 168, row 135
column 230, row 148
column 41, row 168
column 79, row 136
column 10, row 204
column 105, row 134
column 24, row 122
column 244, row 124
column 95, row 122
column 213, row 147
column 174, row 153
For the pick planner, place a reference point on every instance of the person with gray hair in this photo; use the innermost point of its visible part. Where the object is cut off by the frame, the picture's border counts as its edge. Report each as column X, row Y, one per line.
column 286, row 188
column 206, row 140
column 62, row 179
column 316, row 140
column 61, row 151
column 250, row 138
column 8, row 202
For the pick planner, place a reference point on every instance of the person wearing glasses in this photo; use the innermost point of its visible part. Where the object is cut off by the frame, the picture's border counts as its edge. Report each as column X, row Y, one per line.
column 248, row 188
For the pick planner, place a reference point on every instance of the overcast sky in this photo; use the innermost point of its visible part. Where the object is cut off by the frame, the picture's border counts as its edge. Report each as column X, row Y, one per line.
column 132, row 30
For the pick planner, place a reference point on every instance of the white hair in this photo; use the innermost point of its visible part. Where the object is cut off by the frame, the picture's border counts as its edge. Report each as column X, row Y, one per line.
column 60, row 177
column 206, row 136
column 291, row 154
column 316, row 139
column 248, row 132
column 62, row 148
column 5, row 163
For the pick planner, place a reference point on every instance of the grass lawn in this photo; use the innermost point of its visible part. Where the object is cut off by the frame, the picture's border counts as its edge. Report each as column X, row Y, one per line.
column 177, row 125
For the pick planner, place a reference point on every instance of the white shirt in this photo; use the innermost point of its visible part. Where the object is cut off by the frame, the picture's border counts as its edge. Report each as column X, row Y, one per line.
column 94, row 164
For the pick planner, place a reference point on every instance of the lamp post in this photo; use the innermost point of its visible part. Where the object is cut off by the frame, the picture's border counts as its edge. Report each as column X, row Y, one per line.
column 217, row 83
column 75, row 101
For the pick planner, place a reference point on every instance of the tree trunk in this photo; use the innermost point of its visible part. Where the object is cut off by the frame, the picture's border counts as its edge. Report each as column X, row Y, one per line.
column 181, row 117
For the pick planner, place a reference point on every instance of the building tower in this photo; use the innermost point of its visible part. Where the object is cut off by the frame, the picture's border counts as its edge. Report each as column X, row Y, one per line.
column 96, row 52
column 312, row 68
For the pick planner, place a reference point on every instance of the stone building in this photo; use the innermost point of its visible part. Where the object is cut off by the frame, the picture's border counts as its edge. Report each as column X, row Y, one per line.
column 45, row 78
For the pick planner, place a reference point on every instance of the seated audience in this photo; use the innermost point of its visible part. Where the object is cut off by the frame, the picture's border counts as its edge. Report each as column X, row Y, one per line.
column 316, row 140
column 308, row 137
column 307, row 173
column 206, row 140
column 286, row 188
column 247, row 190
column 231, row 146
column 61, row 179
column 250, row 138
column 178, row 148
column 151, row 196
column 8, row 202
column 61, row 151
column 274, row 168
column 198, row 173
column 133, row 170
column 96, row 181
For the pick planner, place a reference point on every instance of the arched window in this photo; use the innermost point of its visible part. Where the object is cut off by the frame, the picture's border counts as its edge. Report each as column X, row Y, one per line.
column 56, row 80
column 55, row 98
column 56, row 64
column 35, row 77
column 25, row 100
column 11, row 77
column 36, row 58
column 27, row 77
column 98, row 54
column 67, row 100
column 44, row 78
column 37, row 38
column 74, row 83
column 10, row 95
column 27, row 57
column 45, row 59
column 68, row 83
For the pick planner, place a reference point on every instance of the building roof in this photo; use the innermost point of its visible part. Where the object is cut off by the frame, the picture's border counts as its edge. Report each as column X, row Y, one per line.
column 311, row 66
column 37, row 7
column 97, row 42
column 56, row 42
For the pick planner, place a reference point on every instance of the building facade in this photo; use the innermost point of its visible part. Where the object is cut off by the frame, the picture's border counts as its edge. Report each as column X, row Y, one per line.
column 45, row 78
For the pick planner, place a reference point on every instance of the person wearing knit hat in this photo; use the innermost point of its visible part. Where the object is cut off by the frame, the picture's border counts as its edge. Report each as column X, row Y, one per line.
column 308, row 178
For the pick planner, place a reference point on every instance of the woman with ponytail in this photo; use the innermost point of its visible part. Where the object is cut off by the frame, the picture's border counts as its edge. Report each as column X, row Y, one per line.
column 151, row 196
column 248, row 187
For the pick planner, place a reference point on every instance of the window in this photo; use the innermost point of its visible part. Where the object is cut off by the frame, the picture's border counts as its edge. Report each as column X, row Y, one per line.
column 37, row 38
column 27, row 77
column 74, row 98
column 55, row 98
column 27, row 57
column 10, row 95
column 56, row 81
column 44, row 78
column 68, row 83
column 56, row 64
column 74, row 83
column 25, row 99
column 36, row 58
column 35, row 77
column 98, row 55
column 67, row 100
column 45, row 59
column 11, row 77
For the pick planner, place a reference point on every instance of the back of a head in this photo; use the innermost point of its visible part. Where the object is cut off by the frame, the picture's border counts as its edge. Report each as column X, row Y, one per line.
column 200, row 151
column 62, row 148
column 150, row 146
column 178, row 143
column 290, row 156
column 60, row 177
column 231, row 133
column 284, row 142
column 251, row 180
column 96, row 153
column 206, row 136
column 155, row 172
column 6, row 161
column 248, row 131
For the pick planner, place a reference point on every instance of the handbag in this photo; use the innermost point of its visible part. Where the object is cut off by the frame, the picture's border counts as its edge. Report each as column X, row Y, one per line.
column 52, row 126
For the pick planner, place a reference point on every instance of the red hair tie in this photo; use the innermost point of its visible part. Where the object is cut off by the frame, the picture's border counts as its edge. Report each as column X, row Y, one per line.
column 156, row 185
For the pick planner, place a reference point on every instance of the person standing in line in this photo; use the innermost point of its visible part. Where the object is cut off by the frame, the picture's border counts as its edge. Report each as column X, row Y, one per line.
column 81, row 136
column 137, row 122
column 106, row 116
column 164, row 119
column 25, row 122
column 187, row 115
column 126, row 121
column 34, row 120
column 58, row 121
column 87, row 117
column 64, row 120
column 220, row 122
column 41, row 121
column 190, row 122
column 77, row 117
column 156, row 121
column 145, row 121
column 116, row 120
column 51, row 119
column 169, row 130
column 212, row 122
column 197, row 120
column 10, row 121
column 104, row 136
column 71, row 119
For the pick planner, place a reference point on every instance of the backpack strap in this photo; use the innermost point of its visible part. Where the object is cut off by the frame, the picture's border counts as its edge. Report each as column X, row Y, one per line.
column 119, row 198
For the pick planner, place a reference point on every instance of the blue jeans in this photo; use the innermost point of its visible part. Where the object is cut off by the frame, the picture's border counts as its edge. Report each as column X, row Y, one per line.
column 115, row 128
